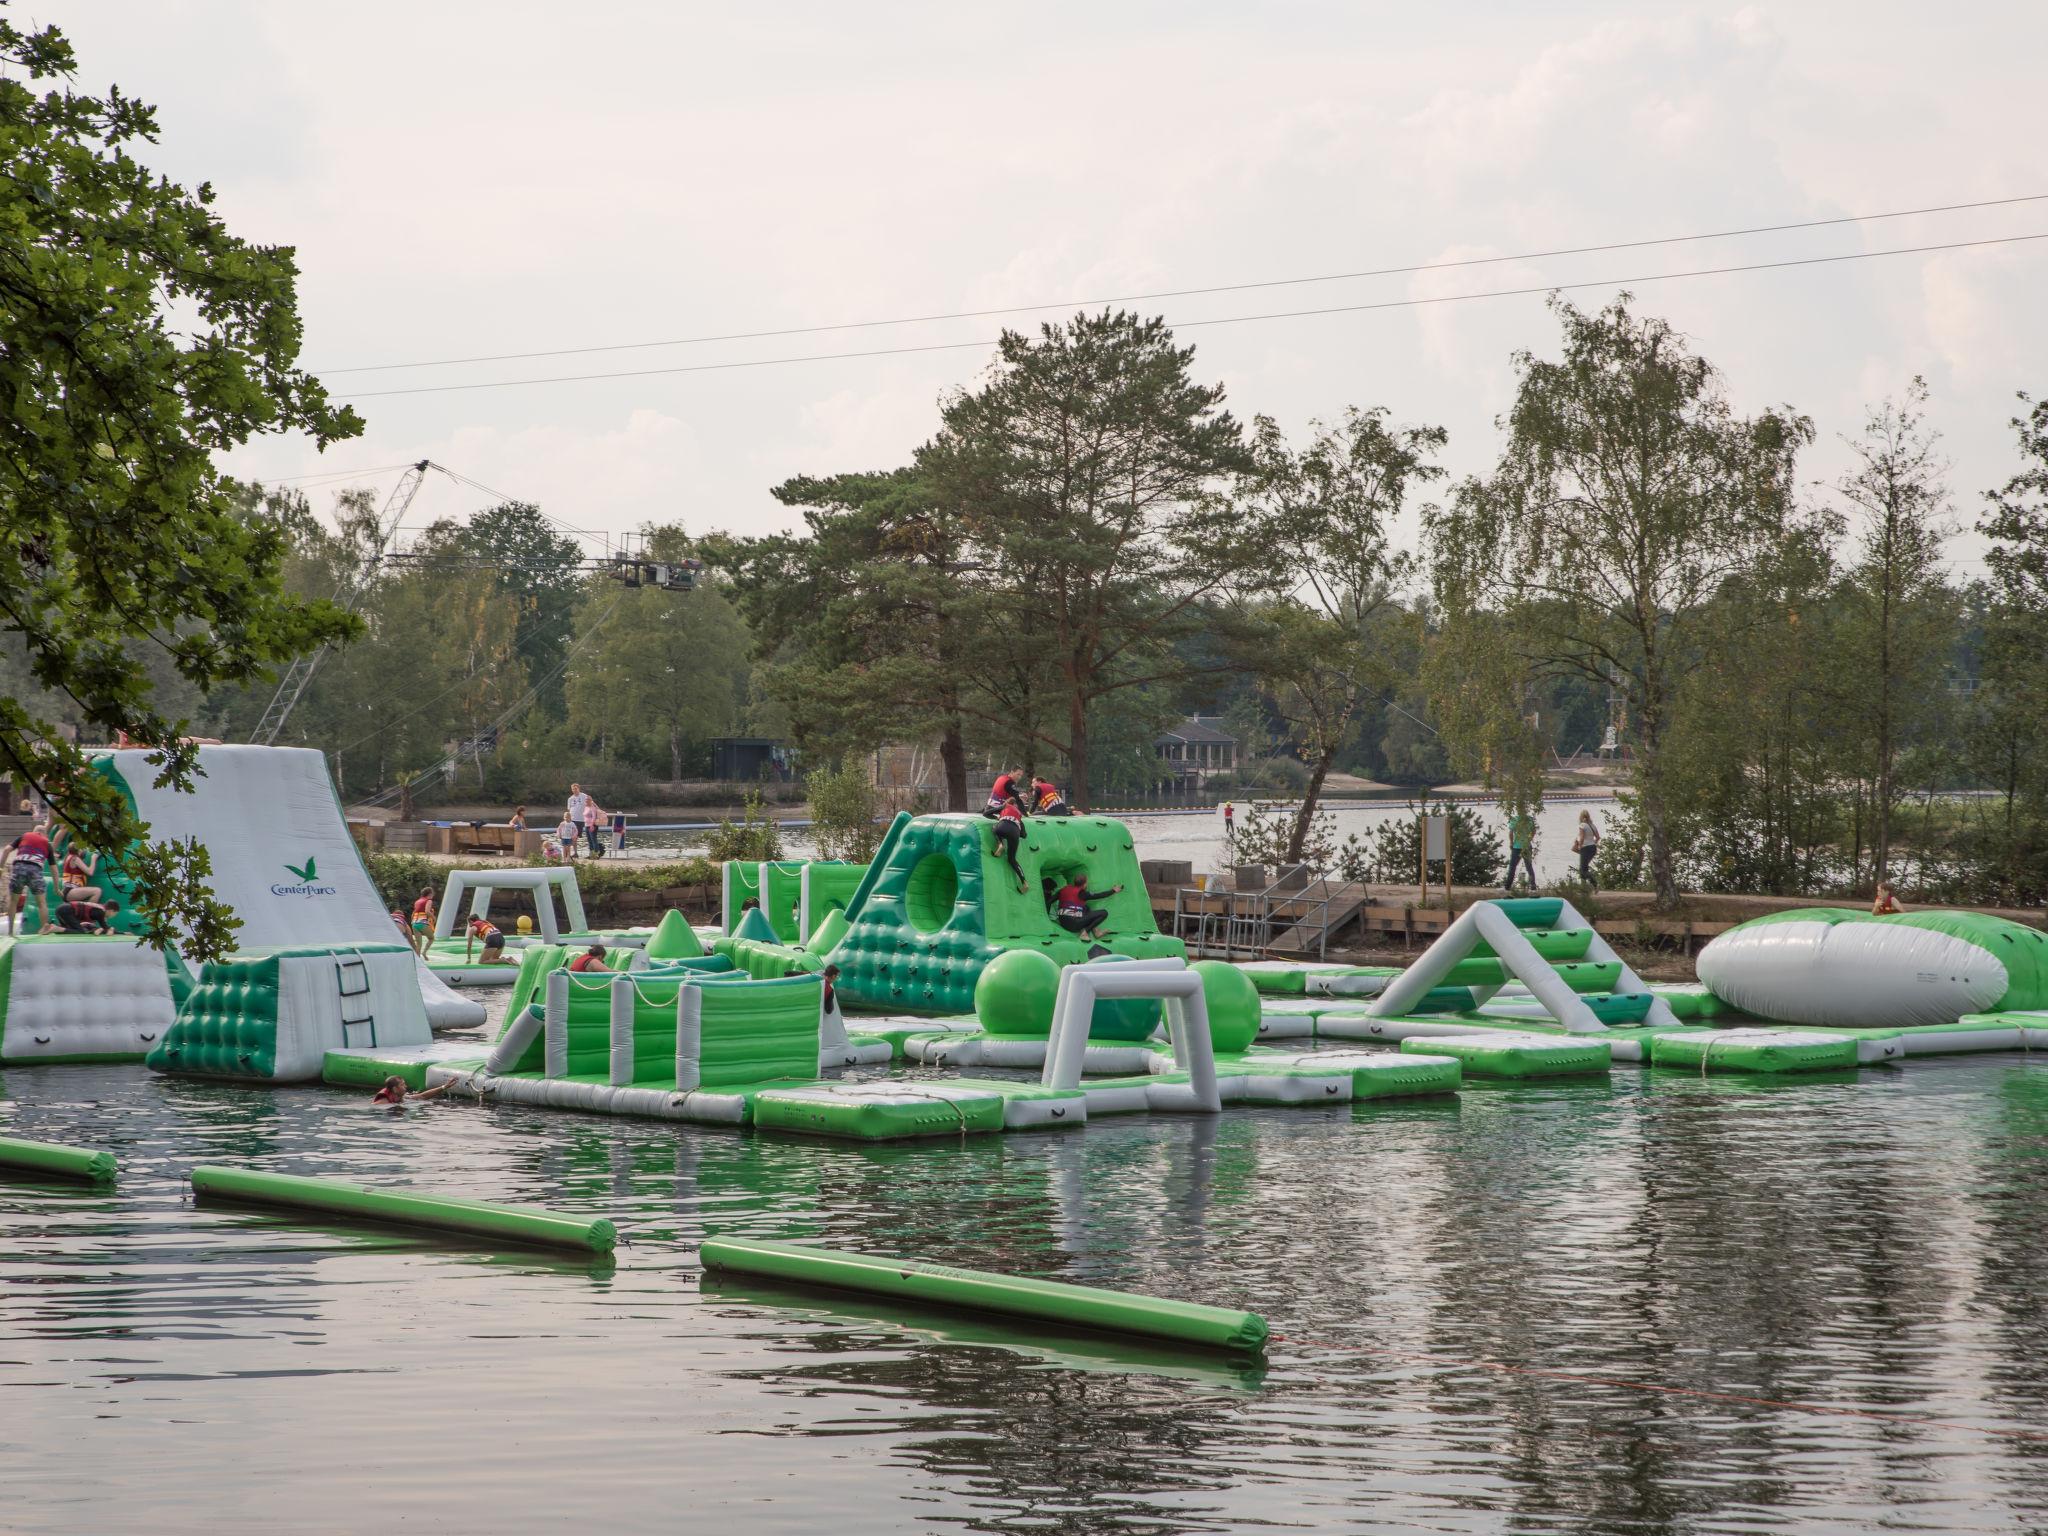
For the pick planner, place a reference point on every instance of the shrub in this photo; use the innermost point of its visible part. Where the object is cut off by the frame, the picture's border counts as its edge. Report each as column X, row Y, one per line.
column 843, row 810
column 754, row 837
column 1392, row 853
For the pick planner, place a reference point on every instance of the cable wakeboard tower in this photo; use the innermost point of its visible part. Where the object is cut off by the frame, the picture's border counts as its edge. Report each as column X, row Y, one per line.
column 632, row 566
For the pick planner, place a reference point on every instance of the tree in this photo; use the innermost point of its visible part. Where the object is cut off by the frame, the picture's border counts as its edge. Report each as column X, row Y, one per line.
column 844, row 812
column 140, row 337
column 1898, row 614
column 536, row 566
column 1327, row 514
column 2011, row 704
column 1628, row 494
column 1089, row 471
column 861, row 620
column 667, row 666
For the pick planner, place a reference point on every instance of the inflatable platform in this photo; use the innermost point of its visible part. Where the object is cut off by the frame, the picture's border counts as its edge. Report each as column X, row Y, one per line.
column 283, row 859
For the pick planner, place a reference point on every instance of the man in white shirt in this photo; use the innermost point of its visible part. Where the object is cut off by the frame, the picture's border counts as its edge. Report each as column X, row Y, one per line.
column 579, row 806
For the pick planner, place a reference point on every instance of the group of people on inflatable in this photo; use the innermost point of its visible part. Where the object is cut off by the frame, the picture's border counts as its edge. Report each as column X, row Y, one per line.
column 1006, row 808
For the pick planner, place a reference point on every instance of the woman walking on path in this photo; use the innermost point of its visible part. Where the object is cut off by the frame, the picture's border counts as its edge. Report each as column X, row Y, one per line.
column 1586, row 843
column 1521, row 849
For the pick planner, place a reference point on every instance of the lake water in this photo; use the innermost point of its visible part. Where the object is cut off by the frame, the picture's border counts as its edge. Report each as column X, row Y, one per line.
column 1473, row 1298
column 1198, row 836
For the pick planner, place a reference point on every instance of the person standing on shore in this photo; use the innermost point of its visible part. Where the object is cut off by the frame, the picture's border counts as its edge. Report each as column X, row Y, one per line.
column 1586, row 843
column 1521, row 849
column 579, row 807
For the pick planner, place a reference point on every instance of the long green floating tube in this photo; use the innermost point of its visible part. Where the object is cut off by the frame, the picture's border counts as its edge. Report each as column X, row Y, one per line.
column 976, row 1290
column 475, row 1218
column 48, row 1157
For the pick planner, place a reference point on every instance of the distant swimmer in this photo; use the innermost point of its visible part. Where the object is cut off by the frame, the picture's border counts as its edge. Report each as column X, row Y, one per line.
column 396, row 1092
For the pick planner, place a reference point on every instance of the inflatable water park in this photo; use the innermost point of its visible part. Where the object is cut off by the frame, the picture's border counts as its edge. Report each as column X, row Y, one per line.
column 932, row 991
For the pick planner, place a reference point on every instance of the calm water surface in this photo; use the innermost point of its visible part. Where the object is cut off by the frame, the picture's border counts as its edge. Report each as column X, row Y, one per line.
column 1199, row 837
column 1874, row 1242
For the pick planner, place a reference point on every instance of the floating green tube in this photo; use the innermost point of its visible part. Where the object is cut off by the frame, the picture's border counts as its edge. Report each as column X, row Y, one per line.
column 48, row 1157
column 976, row 1290
column 474, row 1218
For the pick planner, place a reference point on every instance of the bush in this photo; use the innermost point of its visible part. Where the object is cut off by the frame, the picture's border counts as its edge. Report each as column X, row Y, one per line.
column 400, row 877
column 754, row 837
column 1392, row 853
column 843, row 810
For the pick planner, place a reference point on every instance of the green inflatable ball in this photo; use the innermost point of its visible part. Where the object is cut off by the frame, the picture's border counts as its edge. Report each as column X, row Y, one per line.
column 1233, row 1005
column 1014, row 994
column 1122, row 1018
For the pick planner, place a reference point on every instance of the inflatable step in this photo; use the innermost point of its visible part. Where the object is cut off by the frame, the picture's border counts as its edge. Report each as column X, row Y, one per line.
column 1491, row 971
column 1619, row 1007
column 368, row 1066
column 881, row 1111
column 1514, row 1054
column 1532, row 911
column 1551, row 943
column 1374, row 1074
column 1755, row 1050
column 1693, row 1000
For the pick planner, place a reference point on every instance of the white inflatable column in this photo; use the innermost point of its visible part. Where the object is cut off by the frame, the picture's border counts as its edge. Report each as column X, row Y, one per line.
column 556, row 1023
column 689, row 1036
column 623, row 998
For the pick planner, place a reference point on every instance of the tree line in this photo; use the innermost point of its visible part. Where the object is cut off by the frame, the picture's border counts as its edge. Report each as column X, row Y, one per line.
column 1091, row 545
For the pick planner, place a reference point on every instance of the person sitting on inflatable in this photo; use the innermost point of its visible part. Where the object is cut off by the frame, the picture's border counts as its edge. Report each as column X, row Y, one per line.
column 80, row 869
column 1046, row 799
column 592, row 959
column 491, row 937
column 1002, row 792
column 1075, row 915
column 1887, row 901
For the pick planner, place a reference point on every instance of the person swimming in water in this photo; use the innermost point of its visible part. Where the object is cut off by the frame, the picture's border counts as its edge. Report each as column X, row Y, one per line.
column 397, row 1091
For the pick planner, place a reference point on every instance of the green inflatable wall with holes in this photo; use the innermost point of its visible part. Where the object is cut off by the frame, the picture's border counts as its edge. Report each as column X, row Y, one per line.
column 228, row 1025
column 941, row 903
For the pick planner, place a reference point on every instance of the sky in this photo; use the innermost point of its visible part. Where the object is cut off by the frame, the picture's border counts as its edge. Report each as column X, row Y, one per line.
column 462, row 180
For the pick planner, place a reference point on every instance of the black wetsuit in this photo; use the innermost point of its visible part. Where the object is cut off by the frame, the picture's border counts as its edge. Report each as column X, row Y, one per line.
column 1075, row 915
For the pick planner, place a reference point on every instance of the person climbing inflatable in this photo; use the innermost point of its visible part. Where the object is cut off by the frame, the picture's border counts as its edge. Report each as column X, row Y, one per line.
column 1073, row 913
column 1046, row 799
column 1009, row 832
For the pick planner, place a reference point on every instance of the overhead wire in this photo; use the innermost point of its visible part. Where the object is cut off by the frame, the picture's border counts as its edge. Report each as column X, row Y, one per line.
column 1186, row 293
column 1292, row 314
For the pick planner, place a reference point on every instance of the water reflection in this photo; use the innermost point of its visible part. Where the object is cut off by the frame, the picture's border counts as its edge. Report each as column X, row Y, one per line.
column 1870, row 1241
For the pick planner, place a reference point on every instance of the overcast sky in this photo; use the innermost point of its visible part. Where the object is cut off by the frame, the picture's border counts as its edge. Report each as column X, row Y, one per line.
column 463, row 179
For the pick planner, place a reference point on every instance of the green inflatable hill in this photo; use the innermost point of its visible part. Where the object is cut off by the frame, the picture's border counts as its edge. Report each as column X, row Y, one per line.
column 940, row 903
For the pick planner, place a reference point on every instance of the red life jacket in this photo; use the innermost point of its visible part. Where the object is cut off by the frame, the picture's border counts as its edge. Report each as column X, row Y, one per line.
column 1073, row 900
column 1006, row 785
column 587, row 962
column 1009, row 812
column 1048, row 796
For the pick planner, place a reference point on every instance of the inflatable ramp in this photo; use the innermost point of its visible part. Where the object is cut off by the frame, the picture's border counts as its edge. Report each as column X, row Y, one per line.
column 281, row 851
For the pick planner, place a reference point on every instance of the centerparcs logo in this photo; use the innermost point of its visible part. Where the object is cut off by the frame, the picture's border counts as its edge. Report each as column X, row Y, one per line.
column 308, row 882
